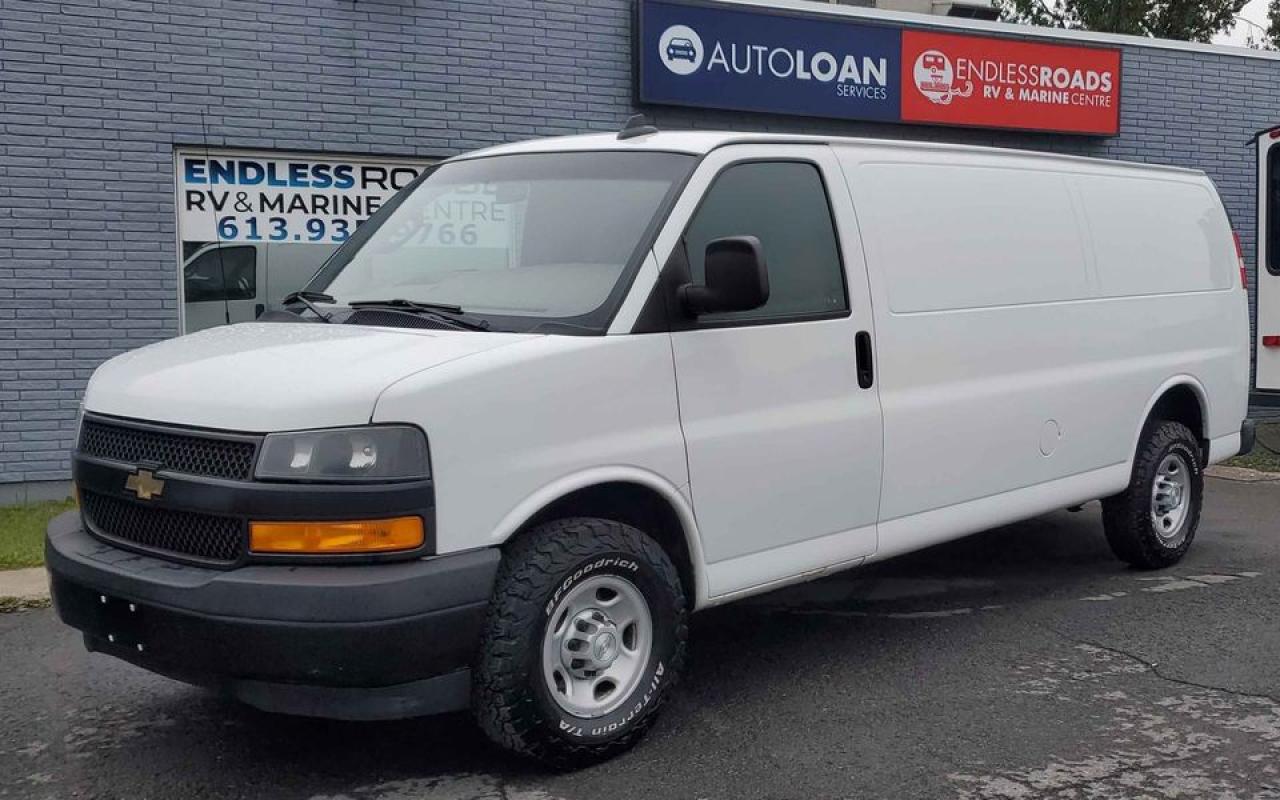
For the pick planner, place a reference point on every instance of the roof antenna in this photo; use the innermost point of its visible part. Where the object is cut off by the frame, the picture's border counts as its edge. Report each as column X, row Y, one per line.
column 222, row 263
column 636, row 125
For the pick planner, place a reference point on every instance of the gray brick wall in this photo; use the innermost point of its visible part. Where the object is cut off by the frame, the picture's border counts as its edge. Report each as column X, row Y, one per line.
column 96, row 94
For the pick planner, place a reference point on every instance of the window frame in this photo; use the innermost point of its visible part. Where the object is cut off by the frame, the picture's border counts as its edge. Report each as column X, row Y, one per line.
column 679, row 258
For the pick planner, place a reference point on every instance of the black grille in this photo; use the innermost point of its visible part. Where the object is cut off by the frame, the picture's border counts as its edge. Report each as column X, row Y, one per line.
column 389, row 318
column 202, row 536
column 176, row 452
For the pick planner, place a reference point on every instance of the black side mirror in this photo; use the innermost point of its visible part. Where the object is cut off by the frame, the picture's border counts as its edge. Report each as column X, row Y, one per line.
column 736, row 278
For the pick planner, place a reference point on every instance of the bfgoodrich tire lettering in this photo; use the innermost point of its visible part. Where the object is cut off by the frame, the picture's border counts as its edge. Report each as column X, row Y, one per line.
column 1139, row 522
column 513, row 697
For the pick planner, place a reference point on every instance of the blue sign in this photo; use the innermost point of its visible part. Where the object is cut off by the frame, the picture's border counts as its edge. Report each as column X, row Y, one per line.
column 697, row 54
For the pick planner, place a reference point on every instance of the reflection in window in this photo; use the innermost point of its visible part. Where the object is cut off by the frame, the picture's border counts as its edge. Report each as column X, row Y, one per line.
column 220, row 274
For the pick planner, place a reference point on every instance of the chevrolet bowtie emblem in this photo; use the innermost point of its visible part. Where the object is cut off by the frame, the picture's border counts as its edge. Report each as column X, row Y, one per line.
column 144, row 484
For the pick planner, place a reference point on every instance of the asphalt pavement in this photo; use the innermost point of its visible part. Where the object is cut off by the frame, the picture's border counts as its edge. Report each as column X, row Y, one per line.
column 1022, row 662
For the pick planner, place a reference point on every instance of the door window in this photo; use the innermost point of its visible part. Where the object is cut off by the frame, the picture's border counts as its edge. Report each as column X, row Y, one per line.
column 784, row 205
column 1272, row 216
column 223, row 273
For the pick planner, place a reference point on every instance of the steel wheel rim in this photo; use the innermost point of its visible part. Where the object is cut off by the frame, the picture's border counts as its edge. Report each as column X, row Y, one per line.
column 596, row 646
column 1171, row 500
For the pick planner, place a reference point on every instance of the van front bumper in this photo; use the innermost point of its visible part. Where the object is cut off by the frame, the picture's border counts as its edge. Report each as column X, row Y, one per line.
column 372, row 641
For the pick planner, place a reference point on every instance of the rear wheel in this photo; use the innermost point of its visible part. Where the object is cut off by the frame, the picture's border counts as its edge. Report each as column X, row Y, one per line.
column 1153, row 522
column 584, row 639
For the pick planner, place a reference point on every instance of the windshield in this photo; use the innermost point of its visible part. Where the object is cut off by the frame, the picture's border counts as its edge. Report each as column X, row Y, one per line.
column 520, row 240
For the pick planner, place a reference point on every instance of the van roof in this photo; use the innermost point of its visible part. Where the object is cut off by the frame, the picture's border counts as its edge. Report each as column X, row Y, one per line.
column 702, row 142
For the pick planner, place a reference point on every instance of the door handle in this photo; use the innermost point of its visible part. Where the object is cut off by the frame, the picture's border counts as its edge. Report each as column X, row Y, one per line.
column 862, row 348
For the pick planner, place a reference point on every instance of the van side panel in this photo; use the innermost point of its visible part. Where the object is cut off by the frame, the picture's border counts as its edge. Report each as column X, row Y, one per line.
column 992, row 382
column 970, row 236
column 522, row 423
column 1154, row 236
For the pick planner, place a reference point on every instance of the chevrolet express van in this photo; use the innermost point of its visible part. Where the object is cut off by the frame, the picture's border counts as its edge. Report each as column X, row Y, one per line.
column 687, row 368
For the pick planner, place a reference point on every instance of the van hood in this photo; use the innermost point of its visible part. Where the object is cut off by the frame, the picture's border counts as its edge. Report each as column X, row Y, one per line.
column 263, row 377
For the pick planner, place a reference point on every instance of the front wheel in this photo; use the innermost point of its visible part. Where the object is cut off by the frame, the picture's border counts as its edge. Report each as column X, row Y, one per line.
column 584, row 639
column 1152, row 523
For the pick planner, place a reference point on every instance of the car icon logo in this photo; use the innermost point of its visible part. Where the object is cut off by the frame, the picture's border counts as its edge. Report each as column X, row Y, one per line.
column 682, row 49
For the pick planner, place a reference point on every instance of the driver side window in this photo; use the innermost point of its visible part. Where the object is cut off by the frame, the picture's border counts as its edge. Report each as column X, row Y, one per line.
column 784, row 205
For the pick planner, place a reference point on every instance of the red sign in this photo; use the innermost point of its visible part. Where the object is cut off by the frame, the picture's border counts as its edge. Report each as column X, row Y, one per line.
column 1000, row 83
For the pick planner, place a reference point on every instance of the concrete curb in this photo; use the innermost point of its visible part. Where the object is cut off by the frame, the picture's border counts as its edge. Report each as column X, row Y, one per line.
column 1242, row 474
column 23, row 588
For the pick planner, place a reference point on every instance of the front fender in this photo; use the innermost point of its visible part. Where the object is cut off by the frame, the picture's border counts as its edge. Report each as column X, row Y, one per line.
column 550, row 493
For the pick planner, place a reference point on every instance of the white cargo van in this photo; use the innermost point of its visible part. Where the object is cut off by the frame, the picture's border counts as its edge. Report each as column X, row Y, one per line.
column 690, row 367
column 228, row 282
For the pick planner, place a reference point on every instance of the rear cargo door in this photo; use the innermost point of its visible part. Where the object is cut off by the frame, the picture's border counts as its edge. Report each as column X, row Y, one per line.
column 1268, row 321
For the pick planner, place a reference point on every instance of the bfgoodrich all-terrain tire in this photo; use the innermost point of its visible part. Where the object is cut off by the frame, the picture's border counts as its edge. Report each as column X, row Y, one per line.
column 583, row 641
column 1152, row 523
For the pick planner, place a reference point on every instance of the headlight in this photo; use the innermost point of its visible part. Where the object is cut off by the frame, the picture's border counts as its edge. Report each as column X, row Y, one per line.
column 373, row 452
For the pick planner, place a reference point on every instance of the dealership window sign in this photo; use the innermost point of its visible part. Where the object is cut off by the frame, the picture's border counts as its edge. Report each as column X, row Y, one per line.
column 254, row 226
column 712, row 56
column 248, row 197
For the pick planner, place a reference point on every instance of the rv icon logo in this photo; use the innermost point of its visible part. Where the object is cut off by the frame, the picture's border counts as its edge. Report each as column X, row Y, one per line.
column 680, row 49
column 936, row 79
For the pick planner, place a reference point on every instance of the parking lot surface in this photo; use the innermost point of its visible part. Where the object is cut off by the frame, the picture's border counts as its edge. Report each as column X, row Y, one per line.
column 1022, row 662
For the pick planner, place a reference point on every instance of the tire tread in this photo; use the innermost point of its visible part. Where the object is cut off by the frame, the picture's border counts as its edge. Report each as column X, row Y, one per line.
column 1125, row 517
column 531, row 566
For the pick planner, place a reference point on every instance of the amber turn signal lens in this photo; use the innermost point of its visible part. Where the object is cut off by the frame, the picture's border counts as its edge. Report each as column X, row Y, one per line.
column 352, row 536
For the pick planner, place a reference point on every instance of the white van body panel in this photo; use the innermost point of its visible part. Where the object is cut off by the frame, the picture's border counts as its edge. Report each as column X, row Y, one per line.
column 925, row 529
column 262, row 377
column 509, row 426
column 1043, row 374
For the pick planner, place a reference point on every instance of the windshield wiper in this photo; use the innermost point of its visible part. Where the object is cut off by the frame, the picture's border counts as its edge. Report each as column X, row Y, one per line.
column 307, row 298
column 445, row 312
column 400, row 302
